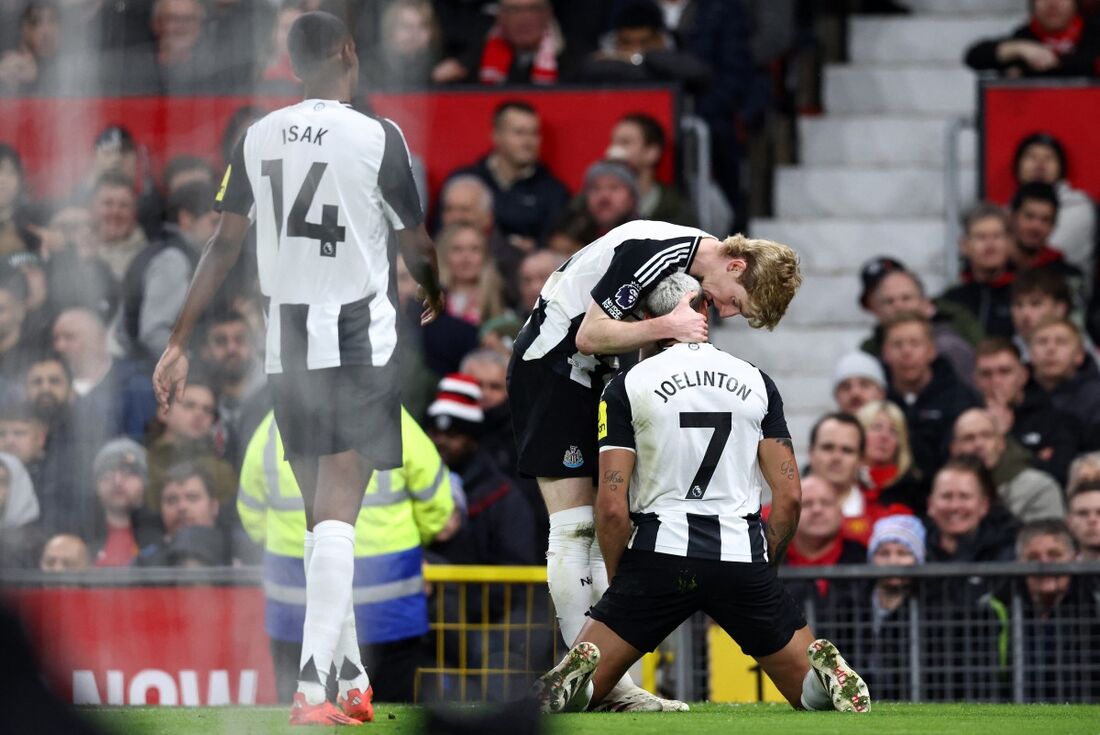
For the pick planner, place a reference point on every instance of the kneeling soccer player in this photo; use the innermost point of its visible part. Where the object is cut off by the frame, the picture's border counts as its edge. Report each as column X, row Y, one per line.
column 686, row 437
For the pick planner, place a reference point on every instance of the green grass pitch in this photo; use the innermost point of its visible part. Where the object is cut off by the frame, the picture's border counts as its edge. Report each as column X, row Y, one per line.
column 728, row 719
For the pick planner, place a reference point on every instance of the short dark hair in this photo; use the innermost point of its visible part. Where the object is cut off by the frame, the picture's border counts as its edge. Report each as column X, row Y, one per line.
column 843, row 418
column 976, row 467
column 313, row 39
column 113, row 179
column 184, row 471
column 1045, row 527
column 652, row 132
column 1043, row 282
column 179, row 164
column 508, row 105
column 10, row 154
column 1035, row 191
column 1044, row 139
column 196, row 198
column 49, row 356
column 17, row 410
column 997, row 345
column 638, row 14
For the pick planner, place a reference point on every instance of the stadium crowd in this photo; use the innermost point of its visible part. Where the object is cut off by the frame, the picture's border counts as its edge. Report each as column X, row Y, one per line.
column 967, row 426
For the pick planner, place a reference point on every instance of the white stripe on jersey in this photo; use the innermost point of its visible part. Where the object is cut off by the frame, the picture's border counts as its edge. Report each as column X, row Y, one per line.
column 680, row 402
column 654, row 265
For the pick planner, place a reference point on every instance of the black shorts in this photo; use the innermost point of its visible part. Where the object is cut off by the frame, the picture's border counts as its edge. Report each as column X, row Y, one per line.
column 652, row 593
column 554, row 419
column 333, row 410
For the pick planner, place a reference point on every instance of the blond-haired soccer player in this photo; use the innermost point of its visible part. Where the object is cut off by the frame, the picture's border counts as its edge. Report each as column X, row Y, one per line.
column 687, row 438
column 587, row 315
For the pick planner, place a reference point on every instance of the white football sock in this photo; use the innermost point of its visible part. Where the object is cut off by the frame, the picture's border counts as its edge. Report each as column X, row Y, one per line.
column 352, row 674
column 814, row 695
column 328, row 597
column 568, row 568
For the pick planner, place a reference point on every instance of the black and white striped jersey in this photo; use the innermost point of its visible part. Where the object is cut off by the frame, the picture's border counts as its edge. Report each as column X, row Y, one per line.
column 325, row 185
column 616, row 271
column 694, row 416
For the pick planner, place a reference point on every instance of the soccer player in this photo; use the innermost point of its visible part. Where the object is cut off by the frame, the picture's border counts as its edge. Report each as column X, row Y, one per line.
column 686, row 438
column 584, row 318
column 325, row 185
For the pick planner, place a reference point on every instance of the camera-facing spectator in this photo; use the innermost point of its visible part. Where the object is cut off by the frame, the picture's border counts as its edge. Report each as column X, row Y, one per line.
column 986, row 244
column 639, row 140
column 473, row 284
column 490, row 370
column 1064, row 371
column 1042, row 157
column 50, row 465
column 888, row 470
column 467, row 200
column 639, row 49
column 526, row 196
column 189, row 515
column 609, row 197
column 567, row 235
column 123, row 524
column 534, row 271
column 858, row 379
column 1084, row 469
column 525, row 46
column 409, row 49
column 65, row 553
column 1055, row 42
column 188, row 423
column 1053, row 437
column 31, row 67
column 1048, row 541
column 889, row 289
column 1027, row 493
column 819, row 540
column 965, row 522
column 75, row 274
column 1037, row 296
column 925, row 387
column 897, row 540
column 184, row 62
column 1083, row 519
column 1034, row 216
column 185, row 169
column 229, row 355
column 119, row 237
column 118, row 153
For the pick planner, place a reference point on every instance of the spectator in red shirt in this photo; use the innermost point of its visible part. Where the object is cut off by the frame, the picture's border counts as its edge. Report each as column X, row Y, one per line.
column 124, row 525
column 1056, row 41
column 889, row 472
column 819, row 540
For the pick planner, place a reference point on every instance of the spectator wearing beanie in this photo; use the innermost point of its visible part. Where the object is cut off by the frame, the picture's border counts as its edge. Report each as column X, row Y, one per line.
column 858, row 379
column 609, row 198
column 123, row 524
column 499, row 519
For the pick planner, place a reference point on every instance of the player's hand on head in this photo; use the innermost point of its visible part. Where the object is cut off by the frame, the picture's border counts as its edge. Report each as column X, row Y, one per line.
column 433, row 305
column 170, row 375
column 685, row 323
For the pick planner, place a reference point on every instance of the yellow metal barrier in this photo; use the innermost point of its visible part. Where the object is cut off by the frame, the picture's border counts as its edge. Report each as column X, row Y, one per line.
column 493, row 630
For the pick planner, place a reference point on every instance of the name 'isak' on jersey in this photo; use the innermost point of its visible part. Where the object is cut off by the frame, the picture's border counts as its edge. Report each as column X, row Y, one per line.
column 702, row 378
column 294, row 135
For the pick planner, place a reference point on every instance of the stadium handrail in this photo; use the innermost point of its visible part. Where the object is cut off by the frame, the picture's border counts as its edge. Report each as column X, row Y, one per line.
column 169, row 576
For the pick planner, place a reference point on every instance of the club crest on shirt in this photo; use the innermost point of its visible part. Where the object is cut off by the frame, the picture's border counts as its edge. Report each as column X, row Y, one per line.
column 573, row 457
column 627, row 295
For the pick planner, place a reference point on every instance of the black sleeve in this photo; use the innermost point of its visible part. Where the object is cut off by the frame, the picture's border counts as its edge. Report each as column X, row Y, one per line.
column 615, row 426
column 395, row 178
column 235, row 193
column 774, row 423
column 638, row 266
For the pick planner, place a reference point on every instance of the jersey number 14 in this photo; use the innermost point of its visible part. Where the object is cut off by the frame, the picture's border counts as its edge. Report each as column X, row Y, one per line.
column 327, row 232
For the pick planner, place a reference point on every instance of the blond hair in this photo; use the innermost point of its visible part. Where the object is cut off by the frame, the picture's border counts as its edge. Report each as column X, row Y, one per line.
column 1085, row 468
column 490, row 282
column 771, row 278
column 870, row 411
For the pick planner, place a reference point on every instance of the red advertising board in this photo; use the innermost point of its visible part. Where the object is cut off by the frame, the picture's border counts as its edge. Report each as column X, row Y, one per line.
column 446, row 129
column 1012, row 111
column 188, row 645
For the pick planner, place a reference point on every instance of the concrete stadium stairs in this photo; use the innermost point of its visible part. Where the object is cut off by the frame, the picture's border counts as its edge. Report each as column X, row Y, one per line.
column 870, row 182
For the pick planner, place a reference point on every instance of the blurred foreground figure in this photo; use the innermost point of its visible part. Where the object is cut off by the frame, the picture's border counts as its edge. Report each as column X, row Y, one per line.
column 327, row 186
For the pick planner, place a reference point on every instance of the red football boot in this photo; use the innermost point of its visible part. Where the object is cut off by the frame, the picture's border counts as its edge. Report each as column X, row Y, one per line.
column 325, row 713
column 358, row 705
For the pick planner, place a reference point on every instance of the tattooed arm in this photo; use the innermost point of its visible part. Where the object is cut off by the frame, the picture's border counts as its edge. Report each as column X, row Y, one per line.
column 780, row 470
column 613, row 526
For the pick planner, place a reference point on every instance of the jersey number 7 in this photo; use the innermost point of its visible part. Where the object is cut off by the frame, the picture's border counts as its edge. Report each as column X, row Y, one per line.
column 722, row 423
column 327, row 232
